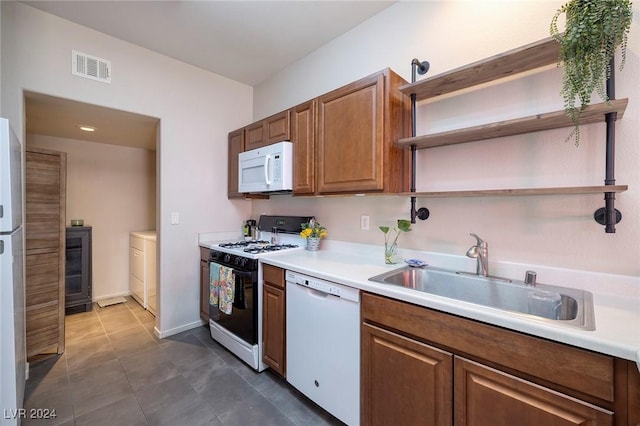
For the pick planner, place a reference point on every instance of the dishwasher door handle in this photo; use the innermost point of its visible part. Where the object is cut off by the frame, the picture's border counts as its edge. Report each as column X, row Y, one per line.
column 319, row 294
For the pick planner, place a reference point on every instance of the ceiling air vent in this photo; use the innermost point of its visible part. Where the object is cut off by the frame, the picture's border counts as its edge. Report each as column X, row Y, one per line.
column 91, row 67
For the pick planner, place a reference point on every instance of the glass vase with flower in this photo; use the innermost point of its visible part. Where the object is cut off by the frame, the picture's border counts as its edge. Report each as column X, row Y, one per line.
column 391, row 235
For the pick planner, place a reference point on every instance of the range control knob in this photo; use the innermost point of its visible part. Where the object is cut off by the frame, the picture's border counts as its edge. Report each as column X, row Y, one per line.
column 227, row 258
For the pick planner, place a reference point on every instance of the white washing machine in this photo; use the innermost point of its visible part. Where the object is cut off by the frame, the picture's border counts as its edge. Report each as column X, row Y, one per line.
column 142, row 268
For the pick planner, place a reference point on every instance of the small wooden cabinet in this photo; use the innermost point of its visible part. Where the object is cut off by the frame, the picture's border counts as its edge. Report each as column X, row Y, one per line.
column 204, row 283
column 357, row 127
column 236, row 146
column 427, row 367
column 273, row 319
column 275, row 128
column 78, row 278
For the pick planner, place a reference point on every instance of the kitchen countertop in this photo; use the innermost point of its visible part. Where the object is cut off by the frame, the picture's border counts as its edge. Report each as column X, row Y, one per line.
column 616, row 298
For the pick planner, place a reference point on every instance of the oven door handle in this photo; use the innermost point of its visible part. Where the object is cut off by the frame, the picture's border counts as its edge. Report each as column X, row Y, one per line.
column 246, row 274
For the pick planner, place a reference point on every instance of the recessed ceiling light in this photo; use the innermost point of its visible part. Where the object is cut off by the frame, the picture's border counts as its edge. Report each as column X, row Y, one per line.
column 87, row 128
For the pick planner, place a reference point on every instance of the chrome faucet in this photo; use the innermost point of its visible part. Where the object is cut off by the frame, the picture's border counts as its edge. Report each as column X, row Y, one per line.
column 480, row 252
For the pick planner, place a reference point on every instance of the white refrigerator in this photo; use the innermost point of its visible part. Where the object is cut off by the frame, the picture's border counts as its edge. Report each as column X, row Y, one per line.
column 12, row 296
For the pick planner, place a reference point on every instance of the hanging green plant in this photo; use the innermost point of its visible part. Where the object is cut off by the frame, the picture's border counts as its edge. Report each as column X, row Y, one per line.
column 594, row 30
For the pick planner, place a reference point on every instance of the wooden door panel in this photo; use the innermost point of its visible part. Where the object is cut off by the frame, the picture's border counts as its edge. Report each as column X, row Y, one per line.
column 351, row 137
column 273, row 328
column 303, row 129
column 488, row 397
column 236, row 146
column 405, row 382
column 254, row 136
column 45, row 206
column 278, row 127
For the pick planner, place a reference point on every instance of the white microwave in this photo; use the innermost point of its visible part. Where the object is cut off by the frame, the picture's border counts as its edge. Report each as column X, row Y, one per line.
column 266, row 169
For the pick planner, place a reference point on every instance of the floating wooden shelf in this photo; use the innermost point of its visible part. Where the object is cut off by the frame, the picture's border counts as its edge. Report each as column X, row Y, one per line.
column 570, row 190
column 525, row 58
column 534, row 123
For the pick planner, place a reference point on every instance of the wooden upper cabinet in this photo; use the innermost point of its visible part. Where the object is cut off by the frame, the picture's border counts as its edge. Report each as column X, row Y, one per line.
column 357, row 127
column 272, row 129
column 236, row 146
column 303, row 137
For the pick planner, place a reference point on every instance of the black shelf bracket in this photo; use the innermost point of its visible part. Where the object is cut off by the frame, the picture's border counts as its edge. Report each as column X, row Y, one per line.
column 608, row 215
column 419, row 67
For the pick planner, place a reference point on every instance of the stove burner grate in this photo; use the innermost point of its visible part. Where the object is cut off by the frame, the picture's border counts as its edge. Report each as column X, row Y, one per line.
column 268, row 248
column 240, row 244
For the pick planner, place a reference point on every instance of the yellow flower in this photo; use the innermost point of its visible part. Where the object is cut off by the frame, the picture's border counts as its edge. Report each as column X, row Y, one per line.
column 313, row 229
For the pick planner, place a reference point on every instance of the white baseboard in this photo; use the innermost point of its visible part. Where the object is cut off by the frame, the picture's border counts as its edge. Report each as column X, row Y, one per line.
column 109, row 296
column 176, row 330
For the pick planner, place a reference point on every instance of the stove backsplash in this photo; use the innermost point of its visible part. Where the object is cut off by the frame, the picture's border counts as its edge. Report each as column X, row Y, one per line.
column 284, row 224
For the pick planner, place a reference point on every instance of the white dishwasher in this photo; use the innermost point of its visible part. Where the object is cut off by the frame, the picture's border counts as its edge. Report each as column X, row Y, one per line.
column 323, row 344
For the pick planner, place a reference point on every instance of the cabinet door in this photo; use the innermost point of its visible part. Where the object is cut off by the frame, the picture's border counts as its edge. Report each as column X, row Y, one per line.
column 484, row 396
column 303, row 138
column 273, row 319
column 404, row 382
column 270, row 130
column 351, row 137
column 45, row 201
column 273, row 328
column 236, row 146
column 204, row 284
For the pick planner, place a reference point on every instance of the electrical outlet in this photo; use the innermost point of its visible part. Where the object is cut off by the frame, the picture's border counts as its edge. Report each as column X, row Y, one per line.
column 175, row 218
column 364, row 222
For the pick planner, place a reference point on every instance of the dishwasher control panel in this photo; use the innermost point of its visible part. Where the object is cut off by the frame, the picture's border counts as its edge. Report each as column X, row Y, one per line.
column 334, row 289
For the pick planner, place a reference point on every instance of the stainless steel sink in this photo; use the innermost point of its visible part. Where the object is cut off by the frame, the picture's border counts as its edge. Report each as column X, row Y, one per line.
column 557, row 305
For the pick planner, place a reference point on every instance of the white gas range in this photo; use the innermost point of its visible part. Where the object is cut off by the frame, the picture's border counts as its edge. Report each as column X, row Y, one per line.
column 241, row 330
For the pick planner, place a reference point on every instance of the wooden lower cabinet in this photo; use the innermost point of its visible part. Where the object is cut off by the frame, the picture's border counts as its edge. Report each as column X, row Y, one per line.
column 488, row 397
column 405, row 382
column 423, row 367
column 273, row 319
column 204, row 283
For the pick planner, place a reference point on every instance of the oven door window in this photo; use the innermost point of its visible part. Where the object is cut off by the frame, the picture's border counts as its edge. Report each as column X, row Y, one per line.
column 242, row 321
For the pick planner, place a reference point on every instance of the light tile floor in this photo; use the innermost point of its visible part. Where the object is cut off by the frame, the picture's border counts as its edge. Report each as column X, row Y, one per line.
column 116, row 372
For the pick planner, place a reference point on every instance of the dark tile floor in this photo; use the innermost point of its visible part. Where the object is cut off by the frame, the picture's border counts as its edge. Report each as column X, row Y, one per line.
column 116, row 372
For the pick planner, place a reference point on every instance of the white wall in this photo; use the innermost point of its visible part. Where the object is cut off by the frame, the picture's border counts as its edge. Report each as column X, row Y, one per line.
column 113, row 189
column 196, row 111
column 555, row 230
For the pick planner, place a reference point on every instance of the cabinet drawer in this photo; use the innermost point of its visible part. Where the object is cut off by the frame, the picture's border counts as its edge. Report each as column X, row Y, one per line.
column 136, row 242
column 273, row 275
column 485, row 396
column 136, row 263
column 551, row 363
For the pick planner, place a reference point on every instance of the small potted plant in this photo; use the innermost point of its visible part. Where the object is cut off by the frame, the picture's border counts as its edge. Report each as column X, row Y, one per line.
column 594, row 30
column 313, row 232
column 391, row 235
